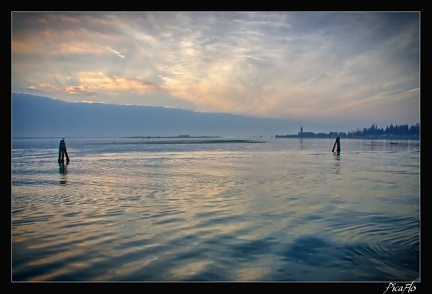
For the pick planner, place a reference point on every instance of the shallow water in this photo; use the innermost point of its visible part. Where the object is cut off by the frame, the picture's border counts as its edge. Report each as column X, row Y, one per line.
column 265, row 210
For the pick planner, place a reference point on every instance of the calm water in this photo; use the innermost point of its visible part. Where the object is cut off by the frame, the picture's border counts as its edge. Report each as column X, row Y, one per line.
column 276, row 210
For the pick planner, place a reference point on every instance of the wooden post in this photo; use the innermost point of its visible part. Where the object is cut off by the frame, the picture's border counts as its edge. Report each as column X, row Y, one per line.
column 63, row 152
column 337, row 146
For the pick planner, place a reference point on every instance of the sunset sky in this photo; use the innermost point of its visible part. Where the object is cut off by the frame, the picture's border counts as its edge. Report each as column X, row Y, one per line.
column 349, row 68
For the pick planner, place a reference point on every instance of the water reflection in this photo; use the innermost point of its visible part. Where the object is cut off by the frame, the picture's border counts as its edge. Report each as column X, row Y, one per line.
column 214, row 212
column 337, row 162
column 63, row 171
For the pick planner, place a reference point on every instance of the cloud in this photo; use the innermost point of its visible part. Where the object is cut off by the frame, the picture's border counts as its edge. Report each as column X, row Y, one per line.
column 115, row 52
column 267, row 64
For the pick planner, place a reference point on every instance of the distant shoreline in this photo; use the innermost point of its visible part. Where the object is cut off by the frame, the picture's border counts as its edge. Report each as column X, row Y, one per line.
column 172, row 137
column 232, row 138
column 127, row 137
column 216, row 141
column 350, row 137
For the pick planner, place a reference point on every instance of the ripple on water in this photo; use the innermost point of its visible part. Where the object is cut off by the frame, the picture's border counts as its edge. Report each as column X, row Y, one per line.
column 284, row 211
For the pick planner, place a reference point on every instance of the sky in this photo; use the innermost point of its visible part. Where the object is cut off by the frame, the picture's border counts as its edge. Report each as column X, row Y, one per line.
column 344, row 69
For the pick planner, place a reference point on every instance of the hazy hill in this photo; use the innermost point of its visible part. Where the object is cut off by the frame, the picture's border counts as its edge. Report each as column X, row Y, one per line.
column 36, row 116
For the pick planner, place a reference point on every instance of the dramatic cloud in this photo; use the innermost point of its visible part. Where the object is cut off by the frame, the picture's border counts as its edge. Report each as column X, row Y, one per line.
column 361, row 67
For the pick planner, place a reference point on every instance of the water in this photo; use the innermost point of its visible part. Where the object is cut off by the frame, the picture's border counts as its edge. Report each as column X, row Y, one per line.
column 163, row 210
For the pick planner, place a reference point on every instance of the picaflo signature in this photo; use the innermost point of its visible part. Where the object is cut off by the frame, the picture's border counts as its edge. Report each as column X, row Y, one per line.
column 400, row 289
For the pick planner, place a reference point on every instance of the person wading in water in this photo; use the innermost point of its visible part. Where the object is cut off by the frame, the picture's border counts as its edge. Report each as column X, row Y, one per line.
column 63, row 151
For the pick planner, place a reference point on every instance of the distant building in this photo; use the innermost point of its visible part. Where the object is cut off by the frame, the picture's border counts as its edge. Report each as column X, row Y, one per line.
column 302, row 134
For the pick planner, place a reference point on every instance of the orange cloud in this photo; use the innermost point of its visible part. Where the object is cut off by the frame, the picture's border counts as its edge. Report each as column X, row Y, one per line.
column 91, row 83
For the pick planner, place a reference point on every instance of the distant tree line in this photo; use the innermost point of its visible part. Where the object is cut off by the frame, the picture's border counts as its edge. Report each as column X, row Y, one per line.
column 392, row 131
column 389, row 131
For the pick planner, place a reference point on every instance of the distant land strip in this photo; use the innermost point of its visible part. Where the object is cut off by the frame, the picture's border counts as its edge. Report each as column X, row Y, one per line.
column 168, row 137
column 214, row 141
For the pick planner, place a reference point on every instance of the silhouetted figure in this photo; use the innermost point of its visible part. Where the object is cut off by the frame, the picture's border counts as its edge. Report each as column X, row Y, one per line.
column 337, row 146
column 63, row 151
